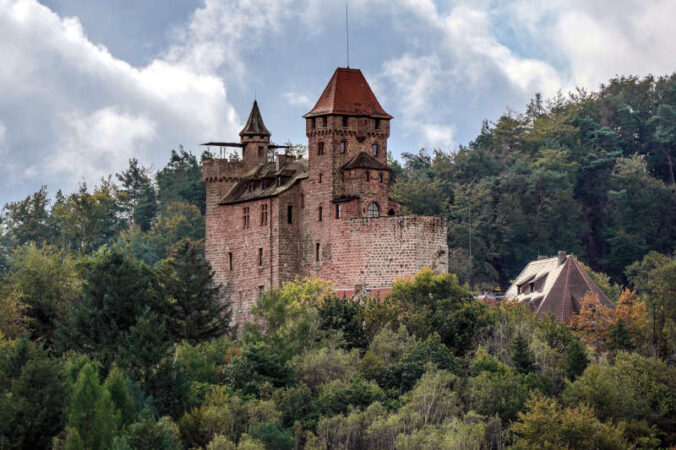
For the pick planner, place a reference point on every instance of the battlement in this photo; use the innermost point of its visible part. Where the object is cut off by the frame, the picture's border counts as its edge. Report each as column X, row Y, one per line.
column 221, row 169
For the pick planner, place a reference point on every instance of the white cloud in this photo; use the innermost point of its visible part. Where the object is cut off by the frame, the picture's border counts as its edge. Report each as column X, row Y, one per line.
column 110, row 136
column 117, row 110
column 299, row 99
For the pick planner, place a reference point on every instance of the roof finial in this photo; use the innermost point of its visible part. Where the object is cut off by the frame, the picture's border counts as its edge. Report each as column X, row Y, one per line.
column 347, row 35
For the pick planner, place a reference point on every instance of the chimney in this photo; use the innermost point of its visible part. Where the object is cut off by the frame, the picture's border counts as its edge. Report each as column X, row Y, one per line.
column 562, row 257
column 282, row 158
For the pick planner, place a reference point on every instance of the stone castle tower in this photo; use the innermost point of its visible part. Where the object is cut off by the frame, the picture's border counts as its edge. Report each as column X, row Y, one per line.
column 329, row 216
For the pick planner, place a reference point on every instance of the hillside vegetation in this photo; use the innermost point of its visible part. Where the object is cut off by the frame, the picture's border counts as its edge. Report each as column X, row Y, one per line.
column 113, row 336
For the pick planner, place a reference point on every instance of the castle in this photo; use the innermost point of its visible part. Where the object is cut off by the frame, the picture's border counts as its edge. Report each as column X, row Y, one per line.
column 328, row 216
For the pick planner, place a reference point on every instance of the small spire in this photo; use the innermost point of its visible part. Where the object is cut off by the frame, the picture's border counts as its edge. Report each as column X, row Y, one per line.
column 254, row 125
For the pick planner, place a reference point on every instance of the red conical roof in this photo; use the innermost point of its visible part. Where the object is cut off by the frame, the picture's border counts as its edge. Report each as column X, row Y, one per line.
column 348, row 93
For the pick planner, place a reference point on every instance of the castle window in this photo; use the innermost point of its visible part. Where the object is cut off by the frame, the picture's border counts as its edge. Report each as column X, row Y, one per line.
column 245, row 217
column 261, row 289
column 230, row 259
column 338, row 211
column 343, row 146
column 260, row 151
column 324, row 121
column 376, row 125
column 313, row 123
column 317, row 251
column 279, row 181
column 260, row 256
column 390, row 212
column 264, row 214
column 344, row 121
column 289, row 214
column 320, row 176
column 368, row 176
column 375, row 149
column 373, row 210
column 320, row 148
column 320, row 214
column 380, row 177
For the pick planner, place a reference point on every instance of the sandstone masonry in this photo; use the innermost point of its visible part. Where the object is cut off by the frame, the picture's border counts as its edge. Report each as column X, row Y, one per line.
column 328, row 216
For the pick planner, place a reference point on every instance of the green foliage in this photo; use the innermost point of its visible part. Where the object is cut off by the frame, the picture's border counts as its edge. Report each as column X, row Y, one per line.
column 522, row 358
column 272, row 436
column 257, row 364
column 576, row 359
column 137, row 195
column 639, row 391
column 346, row 316
column 33, row 395
column 547, row 425
column 181, row 181
column 117, row 292
column 92, row 412
column 47, row 282
column 197, row 311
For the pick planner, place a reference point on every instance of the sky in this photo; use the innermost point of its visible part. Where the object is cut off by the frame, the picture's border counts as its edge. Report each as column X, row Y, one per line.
column 85, row 85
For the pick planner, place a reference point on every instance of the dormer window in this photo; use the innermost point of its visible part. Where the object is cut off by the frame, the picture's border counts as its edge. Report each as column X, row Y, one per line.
column 375, row 149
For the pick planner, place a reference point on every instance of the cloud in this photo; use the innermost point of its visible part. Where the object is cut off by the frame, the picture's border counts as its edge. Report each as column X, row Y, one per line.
column 299, row 99
column 110, row 135
column 80, row 112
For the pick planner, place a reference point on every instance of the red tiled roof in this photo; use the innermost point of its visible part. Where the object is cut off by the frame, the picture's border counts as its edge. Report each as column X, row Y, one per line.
column 363, row 160
column 348, row 93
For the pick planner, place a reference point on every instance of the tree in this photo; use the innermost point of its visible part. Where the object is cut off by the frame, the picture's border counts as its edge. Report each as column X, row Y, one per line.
column 547, row 425
column 522, row 358
column 137, row 195
column 117, row 292
column 46, row 280
column 197, row 310
column 28, row 220
column 576, row 359
column 92, row 413
column 34, row 393
column 181, row 181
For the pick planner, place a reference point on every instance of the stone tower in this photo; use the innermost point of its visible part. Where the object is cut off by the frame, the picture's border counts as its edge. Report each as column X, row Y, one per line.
column 255, row 139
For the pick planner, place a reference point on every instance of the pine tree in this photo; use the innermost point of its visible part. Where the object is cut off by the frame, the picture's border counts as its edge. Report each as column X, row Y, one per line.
column 620, row 336
column 523, row 359
column 138, row 194
column 197, row 309
column 576, row 359
column 92, row 412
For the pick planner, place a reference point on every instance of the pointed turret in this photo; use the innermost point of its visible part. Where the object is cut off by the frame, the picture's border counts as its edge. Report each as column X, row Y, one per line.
column 254, row 125
column 256, row 139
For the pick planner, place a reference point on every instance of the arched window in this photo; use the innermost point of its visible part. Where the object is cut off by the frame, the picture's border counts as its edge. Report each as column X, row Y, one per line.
column 390, row 212
column 373, row 210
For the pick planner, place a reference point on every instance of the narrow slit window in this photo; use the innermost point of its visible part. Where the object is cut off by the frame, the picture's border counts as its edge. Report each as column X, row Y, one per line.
column 320, row 214
column 338, row 211
column 245, row 217
column 313, row 123
column 376, row 125
column 230, row 259
column 260, row 256
column 320, row 148
column 289, row 214
column 264, row 214
column 345, row 121
column 380, row 177
column 324, row 121
column 321, row 175
column 375, row 149
column 343, row 146
column 317, row 251
column 261, row 289
column 368, row 176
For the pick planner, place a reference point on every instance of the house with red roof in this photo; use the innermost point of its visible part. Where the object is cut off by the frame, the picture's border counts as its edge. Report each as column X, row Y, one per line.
column 554, row 285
